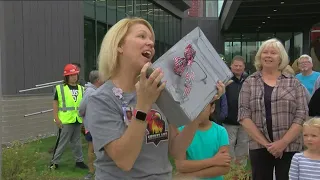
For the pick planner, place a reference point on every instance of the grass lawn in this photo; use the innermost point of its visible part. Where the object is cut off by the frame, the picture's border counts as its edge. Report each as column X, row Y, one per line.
column 67, row 167
column 18, row 161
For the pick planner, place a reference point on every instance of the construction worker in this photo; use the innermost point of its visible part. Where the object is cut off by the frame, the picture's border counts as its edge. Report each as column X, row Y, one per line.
column 67, row 98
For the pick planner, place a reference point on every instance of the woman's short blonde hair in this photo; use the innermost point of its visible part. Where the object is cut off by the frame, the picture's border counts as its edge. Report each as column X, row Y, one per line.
column 108, row 56
column 284, row 59
column 288, row 69
column 313, row 122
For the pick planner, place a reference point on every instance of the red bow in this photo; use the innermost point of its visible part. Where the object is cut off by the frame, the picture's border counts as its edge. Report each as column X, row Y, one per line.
column 181, row 63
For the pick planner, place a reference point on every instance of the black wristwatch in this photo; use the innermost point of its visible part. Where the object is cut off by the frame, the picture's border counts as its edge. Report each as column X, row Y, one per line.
column 139, row 115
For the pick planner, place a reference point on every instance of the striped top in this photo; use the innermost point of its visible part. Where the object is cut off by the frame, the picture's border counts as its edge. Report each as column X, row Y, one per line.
column 303, row 168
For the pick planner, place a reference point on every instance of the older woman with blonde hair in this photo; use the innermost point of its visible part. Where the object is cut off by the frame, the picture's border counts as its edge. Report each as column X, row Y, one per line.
column 272, row 109
column 132, row 138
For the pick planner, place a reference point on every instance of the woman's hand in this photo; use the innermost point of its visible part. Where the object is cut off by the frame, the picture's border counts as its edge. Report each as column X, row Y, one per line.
column 147, row 89
column 276, row 148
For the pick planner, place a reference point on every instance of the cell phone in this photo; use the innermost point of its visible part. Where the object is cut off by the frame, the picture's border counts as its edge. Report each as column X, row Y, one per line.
column 148, row 74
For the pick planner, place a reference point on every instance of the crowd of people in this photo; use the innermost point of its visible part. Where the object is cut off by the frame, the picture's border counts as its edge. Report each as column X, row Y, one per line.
column 268, row 118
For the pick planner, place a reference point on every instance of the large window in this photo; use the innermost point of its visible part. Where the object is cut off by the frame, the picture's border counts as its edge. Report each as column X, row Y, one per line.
column 100, row 15
column 202, row 8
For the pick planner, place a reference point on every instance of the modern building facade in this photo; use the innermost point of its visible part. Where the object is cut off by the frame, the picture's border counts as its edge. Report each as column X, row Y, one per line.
column 245, row 24
column 99, row 16
column 37, row 39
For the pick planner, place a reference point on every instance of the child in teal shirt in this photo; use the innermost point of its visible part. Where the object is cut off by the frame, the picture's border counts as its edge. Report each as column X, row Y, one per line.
column 207, row 157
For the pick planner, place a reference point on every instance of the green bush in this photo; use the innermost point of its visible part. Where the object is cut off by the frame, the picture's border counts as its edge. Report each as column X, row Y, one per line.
column 238, row 172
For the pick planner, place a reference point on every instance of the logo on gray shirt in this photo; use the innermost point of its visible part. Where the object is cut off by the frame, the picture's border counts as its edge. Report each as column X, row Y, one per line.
column 156, row 128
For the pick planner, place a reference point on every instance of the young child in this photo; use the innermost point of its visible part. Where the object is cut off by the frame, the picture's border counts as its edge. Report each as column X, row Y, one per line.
column 207, row 156
column 306, row 165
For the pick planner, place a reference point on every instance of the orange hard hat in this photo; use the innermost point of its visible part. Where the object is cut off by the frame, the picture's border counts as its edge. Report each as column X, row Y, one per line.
column 70, row 69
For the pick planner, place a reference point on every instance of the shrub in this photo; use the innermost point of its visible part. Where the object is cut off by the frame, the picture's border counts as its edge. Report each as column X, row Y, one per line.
column 238, row 172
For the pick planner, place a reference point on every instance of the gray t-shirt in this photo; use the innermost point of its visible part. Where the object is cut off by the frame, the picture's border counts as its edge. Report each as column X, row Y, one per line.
column 106, row 113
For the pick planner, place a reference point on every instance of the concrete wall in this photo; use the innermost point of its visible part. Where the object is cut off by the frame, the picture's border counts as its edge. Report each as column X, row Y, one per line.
column 37, row 39
column 40, row 38
column 209, row 26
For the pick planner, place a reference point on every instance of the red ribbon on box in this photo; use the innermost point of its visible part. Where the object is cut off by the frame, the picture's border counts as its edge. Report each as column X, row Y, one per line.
column 182, row 63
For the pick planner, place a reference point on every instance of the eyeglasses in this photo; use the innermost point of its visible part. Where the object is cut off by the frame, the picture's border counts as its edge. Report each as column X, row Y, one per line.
column 305, row 62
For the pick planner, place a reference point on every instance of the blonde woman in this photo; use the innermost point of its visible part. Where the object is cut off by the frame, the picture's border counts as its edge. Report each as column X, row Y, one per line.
column 272, row 109
column 132, row 138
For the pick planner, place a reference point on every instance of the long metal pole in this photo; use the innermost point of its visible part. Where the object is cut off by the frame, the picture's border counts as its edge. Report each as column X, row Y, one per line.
column 49, row 83
column 41, row 87
column 40, row 112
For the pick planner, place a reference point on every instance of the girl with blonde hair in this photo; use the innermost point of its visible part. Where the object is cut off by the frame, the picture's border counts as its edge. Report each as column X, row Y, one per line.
column 306, row 165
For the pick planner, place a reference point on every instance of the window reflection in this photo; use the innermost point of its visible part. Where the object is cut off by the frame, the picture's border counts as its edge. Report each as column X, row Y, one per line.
column 121, row 10
column 100, row 15
column 129, row 7
column 144, row 9
column 137, row 6
column 298, row 41
column 150, row 14
column 101, row 11
column 89, row 46
column 88, row 9
column 167, row 37
column 211, row 9
column 172, row 30
column 111, row 11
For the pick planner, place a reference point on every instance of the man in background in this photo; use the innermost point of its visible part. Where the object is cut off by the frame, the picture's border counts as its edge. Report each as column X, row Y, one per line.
column 238, row 138
column 307, row 77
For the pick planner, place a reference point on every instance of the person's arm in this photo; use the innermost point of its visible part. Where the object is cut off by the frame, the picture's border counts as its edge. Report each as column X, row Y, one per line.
column 222, row 158
column 223, row 107
column 213, row 171
column 294, row 169
column 188, row 166
column 110, row 135
column 55, row 109
column 83, row 103
column 244, row 115
column 207, row 168
column 55, row 105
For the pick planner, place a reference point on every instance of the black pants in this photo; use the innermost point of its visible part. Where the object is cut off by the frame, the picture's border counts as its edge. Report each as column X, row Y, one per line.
column 263, row 163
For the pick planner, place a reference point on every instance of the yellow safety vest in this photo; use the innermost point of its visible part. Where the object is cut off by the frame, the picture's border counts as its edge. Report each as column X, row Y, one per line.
column 68, row 108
